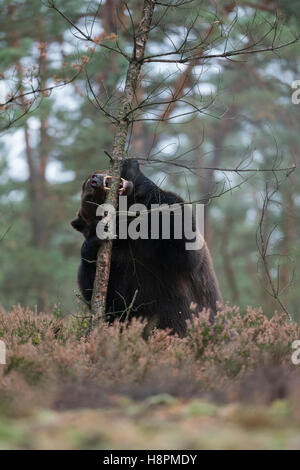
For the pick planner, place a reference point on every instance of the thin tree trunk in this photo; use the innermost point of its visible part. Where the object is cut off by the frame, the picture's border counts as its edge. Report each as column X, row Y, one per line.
column 103, row 263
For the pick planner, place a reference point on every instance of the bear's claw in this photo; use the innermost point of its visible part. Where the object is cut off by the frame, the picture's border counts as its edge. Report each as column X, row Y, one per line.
column 123, row 184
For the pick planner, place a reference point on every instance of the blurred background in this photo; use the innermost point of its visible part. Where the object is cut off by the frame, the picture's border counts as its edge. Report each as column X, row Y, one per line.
column 51, row 141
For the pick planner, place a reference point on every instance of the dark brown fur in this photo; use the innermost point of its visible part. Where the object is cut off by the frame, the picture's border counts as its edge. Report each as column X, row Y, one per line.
column 167, row 277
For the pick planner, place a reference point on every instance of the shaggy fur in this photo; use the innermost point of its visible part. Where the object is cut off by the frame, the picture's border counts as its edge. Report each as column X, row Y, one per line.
column 167, row 277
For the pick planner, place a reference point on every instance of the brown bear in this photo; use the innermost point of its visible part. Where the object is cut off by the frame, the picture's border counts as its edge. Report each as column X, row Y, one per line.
column 162, row 277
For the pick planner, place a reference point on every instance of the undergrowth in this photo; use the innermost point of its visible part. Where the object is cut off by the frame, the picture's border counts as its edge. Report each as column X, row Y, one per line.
column 242, row 356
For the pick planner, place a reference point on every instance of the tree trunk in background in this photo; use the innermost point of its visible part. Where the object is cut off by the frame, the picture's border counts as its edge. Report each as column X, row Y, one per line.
column 288, row 225
column 36, row 217
column 206, row 177
column 112, row 14
column 36, row 161
column 41, row 187
column 184, row 79
column 227, row 261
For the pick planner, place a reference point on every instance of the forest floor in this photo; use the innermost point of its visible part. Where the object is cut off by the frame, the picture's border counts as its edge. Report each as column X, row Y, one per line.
column 160, row 422
column 231, row 385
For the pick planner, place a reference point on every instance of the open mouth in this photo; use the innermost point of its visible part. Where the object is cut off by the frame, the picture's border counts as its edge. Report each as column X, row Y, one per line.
column 107, row 184
column 98, row 180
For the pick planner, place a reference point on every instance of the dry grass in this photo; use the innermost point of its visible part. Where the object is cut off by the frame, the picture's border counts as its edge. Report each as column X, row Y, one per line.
column 242, row 358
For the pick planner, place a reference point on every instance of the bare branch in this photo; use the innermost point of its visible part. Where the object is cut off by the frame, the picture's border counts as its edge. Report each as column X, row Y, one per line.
column 263, row 241
column 228, row 54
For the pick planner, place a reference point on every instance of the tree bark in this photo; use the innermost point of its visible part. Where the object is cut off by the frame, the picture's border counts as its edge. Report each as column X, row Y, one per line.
column 98, row 302
column 37, row 164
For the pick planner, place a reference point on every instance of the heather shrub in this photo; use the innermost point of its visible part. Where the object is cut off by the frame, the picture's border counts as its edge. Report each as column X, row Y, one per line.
column 238, row 342
column 49, row 362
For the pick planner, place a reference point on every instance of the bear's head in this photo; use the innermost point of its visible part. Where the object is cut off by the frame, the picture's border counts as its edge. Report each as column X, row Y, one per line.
column 94, row 190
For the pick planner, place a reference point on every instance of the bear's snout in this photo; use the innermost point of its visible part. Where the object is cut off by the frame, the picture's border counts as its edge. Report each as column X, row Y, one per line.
column 96, row 180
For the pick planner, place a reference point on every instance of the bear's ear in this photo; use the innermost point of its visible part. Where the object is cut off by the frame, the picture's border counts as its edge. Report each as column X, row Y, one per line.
column 131, row 169
column 84, row 183
column 78, row 224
